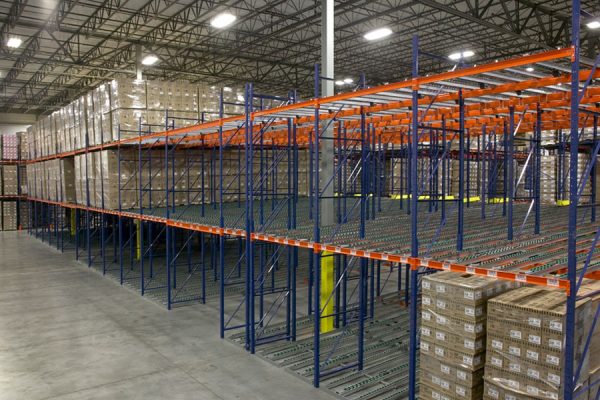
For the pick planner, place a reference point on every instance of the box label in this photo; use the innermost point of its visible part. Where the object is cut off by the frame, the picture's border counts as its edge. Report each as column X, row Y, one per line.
column 554, row 378
column 533, row 373
column 556, row 326
column 515, row 351
column 553, row 360
column 514, row 367
column 533, row 355
column 555, row 344
column 535, row 339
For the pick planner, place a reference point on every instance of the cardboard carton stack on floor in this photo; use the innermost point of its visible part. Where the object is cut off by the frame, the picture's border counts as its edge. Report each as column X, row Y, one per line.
column 591, row 288
column 9, row 215
column 452, row 354
column 526, row 344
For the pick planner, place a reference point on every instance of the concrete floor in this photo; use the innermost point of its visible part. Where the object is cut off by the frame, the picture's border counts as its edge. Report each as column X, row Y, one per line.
column 68, row 333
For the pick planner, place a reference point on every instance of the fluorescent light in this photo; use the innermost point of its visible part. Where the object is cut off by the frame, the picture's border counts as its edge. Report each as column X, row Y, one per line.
column 227, row 89
column 340, row 83
column 150, row 59
column 378, row 34
column 348, row 80
column 14, row 42
column 529, row 69
column 593, row 24
column 459, row 55
column 223, row 20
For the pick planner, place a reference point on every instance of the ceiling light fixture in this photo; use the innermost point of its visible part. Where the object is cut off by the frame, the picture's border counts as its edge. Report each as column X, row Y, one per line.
column 595, row 24
column 150, row 59
column 340, row 83
column 378, row 34
column 348, row 80
column 241, row 98
column 227, row 89
column 529, row 69
column 223, row 20
column 14, row 42
column 460, row 55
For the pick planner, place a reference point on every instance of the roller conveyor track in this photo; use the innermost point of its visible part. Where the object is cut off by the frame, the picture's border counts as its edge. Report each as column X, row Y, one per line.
column 388, row 232
column 386, row 354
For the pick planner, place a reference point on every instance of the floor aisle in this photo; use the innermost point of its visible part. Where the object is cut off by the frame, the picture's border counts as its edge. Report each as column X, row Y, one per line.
column 68, row 333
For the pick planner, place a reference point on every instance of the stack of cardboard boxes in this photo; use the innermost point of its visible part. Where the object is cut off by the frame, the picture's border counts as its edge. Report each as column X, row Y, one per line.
column 453, row 334
column 12, row 182
column 116, row 109
column 526, row 344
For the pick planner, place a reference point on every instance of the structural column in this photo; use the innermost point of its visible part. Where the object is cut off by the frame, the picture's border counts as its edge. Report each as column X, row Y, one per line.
column 326, row 160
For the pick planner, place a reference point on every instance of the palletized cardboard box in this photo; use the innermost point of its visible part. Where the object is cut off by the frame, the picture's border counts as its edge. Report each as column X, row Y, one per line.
column 452, row 356
column 525, row 344
column 9, row 215
column 458, row 375
column 453, row 332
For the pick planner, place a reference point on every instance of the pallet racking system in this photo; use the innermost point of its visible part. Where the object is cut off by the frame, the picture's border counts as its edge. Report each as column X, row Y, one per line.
column 476, row 113
column 17, row 197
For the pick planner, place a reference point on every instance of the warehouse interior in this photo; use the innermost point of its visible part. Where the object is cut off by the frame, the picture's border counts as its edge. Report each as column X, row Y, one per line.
column 359, row 200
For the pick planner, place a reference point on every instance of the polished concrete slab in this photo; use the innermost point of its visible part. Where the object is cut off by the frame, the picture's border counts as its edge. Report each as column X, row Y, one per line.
column 68, row 333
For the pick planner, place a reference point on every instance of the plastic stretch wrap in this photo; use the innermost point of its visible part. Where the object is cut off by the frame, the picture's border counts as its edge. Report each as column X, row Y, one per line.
column 526, row 342
column 10, row 183
column 9, row 215
column 453, row 333
column 10, row 146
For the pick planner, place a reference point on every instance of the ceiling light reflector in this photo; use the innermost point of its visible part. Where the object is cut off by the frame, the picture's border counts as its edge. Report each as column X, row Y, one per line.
column 594, row 24
column 223, row 20
column 150, row 59
column 461, row 54
column 14, row 42
column 378, row 34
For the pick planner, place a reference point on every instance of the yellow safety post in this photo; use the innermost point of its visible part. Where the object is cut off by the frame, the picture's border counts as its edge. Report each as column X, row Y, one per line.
column 138, row 239
column 327, row 285
column 73, row 222
column 563, row 203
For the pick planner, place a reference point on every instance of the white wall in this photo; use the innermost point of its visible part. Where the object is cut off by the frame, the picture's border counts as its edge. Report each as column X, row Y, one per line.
column 10, row 128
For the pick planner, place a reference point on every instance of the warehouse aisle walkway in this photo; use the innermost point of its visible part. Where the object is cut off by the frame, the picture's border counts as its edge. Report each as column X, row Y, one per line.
column 68, row 333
